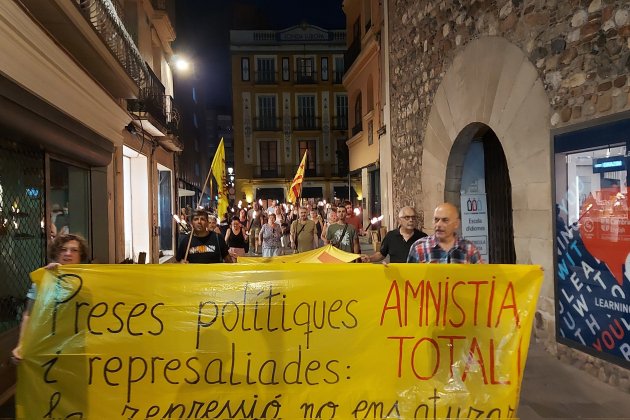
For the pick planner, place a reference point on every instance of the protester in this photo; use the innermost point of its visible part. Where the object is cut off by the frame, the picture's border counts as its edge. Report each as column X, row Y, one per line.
column 343, row 235
column 303, row 232
column 236, row 239
column 444, row 246
column 397, row 242
column 63, row 250
column 331, row 219
column 206, row 245
column 270, row 235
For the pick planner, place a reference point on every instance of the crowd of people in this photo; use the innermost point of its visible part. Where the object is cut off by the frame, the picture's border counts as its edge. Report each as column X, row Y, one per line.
column 274, row 231
column 278, row 229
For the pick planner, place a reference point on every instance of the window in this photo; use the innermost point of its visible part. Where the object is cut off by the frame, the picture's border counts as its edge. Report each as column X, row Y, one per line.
column 324, row 68
column 338, row 69
column 285, row 69
column 592, row 239
column 267, row 119
column 311, row 161
column 341, row 112
column 69, row 199
column 245, row 69
column 268, row 159
column 265, row 70
column 306, row 113
column 358, row 117
column 165, row 210
column 135, row 204
column 305, row 70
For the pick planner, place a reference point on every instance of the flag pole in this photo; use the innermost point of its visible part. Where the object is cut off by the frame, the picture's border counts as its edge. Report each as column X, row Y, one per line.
column 200, row 199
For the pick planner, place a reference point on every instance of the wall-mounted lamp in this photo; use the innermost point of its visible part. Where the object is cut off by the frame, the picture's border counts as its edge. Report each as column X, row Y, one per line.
column 131, row 128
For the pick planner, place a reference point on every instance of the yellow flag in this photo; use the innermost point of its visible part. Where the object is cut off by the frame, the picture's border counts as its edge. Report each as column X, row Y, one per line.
column 296, row 185
column 218, row 172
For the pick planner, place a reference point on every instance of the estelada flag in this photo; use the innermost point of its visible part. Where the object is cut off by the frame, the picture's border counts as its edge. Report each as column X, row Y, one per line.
column 296, row 185
column 218, row 171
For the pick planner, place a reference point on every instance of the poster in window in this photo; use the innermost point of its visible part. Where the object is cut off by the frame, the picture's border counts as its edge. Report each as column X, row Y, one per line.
column 324, row 68
column 245, row 69
column 285, row 68
column 592, row 242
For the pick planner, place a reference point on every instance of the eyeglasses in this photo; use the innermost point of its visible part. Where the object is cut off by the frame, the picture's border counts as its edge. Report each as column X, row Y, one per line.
column 408, row 217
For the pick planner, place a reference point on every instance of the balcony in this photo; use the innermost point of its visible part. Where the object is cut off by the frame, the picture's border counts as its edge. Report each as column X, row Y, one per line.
column 353, row 52
column 92, row 31
column 267, row 124
column 268, row 171
column 305, row 78
column 339, row 169
column 266, row 77
column 306, row 123
column 357, row 129
column 340, row 123
column 337, row 77
column 150, row 108
column 171, row 140
column 163, row 19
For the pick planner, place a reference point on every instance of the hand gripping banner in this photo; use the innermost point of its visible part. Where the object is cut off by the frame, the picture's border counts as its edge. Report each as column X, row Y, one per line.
column 290, row 341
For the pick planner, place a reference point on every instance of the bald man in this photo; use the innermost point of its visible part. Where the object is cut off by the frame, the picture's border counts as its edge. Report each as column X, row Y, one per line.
column 397, row 242
column 444, row 246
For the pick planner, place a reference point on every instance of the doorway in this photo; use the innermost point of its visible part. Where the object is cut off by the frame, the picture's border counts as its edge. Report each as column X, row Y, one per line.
column 478, row 182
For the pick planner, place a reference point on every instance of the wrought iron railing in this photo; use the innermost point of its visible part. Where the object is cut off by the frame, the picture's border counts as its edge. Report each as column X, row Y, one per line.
column 266, row 77
column 152, row 99
column 172, row 115
column 357, row 129
column 268, row 171
column 105, row 16
column 306, row 123
column 267, row 124
column 340, row 123
column 353, row 52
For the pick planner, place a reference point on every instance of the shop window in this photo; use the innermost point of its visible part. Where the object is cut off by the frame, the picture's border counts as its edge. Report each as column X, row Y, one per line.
column 593, row 241
column 136, row 204
column 22, row 237
column 165, row 211
column 69, row 199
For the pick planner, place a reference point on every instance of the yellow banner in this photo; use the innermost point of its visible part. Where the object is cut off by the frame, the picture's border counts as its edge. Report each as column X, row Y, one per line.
column 291, row 341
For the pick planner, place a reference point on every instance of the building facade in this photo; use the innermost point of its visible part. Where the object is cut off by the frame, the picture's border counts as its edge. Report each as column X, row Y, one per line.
column 88, row 140
column 518, row 113
column 288, row 98
column 365, row 80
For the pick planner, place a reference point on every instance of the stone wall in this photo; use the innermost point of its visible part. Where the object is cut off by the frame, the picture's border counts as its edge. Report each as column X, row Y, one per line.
column 581, row 50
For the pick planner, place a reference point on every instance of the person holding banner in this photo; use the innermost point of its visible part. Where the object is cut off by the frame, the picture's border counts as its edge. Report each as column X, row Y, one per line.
column 206, row 246
column 444, row 246
column 64, row 249
column 397, row 242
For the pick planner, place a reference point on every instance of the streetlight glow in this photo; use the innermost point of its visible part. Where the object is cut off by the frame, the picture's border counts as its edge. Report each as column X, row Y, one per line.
column 182, row 64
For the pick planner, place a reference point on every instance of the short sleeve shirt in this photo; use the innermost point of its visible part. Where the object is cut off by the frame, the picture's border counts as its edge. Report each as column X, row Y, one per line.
column 305, row 232
column 333, row 235
column 396, row 247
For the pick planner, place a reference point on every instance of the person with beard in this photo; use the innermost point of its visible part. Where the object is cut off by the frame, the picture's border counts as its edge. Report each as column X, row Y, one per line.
column 206, row 245
column 444, row 246
column 397, row 242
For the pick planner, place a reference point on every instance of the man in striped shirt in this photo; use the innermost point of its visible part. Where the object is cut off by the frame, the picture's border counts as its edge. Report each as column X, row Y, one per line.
column 444, row 246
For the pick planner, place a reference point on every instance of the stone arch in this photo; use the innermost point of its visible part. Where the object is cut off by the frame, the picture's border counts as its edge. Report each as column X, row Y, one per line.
column 492, row 82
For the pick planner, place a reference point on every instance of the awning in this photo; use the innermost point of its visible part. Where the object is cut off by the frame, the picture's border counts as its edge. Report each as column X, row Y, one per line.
column 342, row 192
column 182, row 192
column 312, row 192
column 270, row 194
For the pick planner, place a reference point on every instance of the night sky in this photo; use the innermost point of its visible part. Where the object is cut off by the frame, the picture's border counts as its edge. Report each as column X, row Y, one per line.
column 203, row 27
